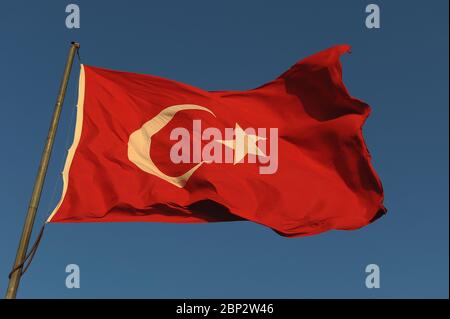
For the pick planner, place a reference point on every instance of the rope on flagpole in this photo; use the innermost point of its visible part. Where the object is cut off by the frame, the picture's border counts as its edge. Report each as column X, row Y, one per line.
column 78, row 56
column 25, row 264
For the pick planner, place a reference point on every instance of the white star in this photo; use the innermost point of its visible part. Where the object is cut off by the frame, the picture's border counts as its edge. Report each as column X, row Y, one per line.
column 243, row 144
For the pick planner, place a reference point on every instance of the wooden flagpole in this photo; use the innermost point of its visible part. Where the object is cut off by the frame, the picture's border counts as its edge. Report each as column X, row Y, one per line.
column 39, row 182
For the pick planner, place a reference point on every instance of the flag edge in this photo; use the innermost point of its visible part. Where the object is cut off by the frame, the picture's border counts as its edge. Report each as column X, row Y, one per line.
column 76, row 140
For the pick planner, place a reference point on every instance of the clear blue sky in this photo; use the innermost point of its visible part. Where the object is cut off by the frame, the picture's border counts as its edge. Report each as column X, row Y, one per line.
column 401, row 70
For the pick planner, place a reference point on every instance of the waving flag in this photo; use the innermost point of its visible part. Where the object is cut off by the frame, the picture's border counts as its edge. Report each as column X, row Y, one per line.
column 289, row 154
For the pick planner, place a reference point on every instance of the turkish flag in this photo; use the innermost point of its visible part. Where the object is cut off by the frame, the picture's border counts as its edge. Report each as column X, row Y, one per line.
column 289, row 154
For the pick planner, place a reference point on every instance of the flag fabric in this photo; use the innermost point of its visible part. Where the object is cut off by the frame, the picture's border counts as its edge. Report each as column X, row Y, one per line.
column 289, row 154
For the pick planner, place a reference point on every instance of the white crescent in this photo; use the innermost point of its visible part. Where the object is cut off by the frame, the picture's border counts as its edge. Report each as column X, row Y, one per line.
column 140, row 141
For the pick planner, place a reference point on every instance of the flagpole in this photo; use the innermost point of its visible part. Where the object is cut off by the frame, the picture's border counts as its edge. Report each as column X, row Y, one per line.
column 39, row 182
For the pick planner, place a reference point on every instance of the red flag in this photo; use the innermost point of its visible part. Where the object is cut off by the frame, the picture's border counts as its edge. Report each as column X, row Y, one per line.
column 289, row 154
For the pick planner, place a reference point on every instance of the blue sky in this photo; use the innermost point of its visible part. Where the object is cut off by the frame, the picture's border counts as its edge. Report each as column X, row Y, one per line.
column 401, row 70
